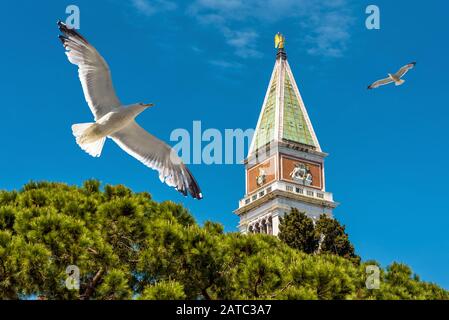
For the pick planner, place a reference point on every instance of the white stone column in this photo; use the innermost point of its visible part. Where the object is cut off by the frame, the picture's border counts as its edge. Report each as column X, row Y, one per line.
column 270, row 225
column 275, row 225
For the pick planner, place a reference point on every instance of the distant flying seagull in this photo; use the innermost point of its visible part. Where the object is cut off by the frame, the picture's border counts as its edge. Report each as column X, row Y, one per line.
column 116, row 121
column 396, row 78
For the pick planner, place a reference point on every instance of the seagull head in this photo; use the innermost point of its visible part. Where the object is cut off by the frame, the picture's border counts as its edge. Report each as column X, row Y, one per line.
column 138, row 108
column 146, row 105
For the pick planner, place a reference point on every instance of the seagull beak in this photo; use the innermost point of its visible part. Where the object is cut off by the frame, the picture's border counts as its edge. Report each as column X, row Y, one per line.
column 148, row 105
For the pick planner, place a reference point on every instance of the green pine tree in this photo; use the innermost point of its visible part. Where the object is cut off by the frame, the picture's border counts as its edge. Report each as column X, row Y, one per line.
column 127, row 246
column 326, row 236
column 298, row 231
column 334, row 238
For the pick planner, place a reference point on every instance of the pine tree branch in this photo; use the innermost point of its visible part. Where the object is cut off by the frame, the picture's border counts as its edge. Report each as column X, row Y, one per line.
column 206, row 294
column 91, row 287
column 93, row 251
column 283, row 289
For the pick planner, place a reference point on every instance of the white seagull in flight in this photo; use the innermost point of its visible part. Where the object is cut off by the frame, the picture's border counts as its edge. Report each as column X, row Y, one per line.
column 116, row 121
column 396, row 78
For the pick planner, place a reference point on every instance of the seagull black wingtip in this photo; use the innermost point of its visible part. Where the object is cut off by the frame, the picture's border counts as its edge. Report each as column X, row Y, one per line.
column 70, row 32
column 62, row 38
column 194, row 188
column 61, row 25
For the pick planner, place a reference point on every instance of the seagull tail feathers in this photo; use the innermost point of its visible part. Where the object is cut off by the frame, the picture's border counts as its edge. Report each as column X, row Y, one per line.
column 93, row 148
column 400, row 82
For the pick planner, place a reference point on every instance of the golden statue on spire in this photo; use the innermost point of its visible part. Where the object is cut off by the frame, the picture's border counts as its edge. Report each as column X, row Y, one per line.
column 279, row 41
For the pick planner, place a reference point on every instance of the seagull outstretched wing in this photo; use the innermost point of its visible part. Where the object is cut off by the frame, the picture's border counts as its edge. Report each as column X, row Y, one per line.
column 405, row 69
column 379, row 83
column 93, row 72
column 157, row 155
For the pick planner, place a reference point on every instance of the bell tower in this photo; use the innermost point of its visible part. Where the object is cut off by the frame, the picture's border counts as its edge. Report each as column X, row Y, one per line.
column 285, row 163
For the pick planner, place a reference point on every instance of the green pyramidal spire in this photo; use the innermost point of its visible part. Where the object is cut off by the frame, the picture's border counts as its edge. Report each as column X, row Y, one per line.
column 265, row 127
column 284, row 116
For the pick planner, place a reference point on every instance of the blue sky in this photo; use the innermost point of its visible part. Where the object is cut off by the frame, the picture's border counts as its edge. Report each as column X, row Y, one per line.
column 211, row 61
